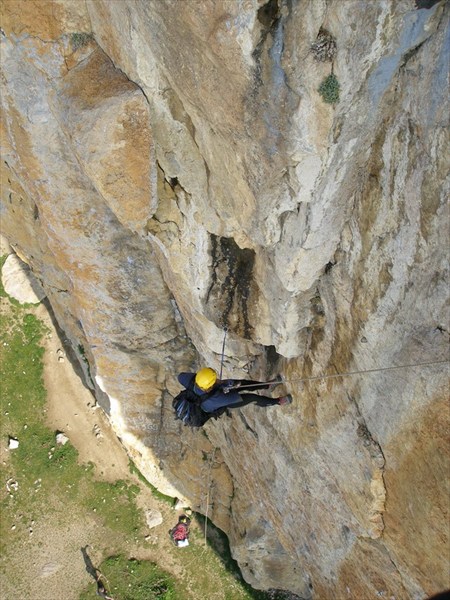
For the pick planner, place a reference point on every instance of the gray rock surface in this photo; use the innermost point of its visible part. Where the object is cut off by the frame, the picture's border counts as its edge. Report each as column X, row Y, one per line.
column 5, row 247
column 180, row 173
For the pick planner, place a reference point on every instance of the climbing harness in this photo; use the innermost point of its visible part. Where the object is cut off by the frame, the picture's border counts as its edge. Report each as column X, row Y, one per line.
column 349, row 374
column 187, row 407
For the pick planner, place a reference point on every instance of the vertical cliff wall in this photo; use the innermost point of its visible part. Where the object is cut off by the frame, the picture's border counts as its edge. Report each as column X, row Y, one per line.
column 170, row 169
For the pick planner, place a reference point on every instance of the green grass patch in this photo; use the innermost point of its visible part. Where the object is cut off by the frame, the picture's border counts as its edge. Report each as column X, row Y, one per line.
column 114, row 504
column 21, row 367
column 134, row 580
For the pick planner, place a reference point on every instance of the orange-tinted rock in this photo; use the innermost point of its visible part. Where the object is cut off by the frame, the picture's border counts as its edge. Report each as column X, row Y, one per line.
column 178, row 172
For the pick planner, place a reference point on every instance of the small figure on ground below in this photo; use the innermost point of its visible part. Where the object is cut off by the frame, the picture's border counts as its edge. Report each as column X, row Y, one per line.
column 101, row 590
column 180, row 533
column 95, row 573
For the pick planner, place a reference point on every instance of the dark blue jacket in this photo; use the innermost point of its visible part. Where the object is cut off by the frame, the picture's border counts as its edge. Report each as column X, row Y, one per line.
column 216, row 398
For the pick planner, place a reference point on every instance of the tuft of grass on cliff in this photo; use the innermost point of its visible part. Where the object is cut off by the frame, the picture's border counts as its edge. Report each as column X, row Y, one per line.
column 329, row 89
column 79, row 39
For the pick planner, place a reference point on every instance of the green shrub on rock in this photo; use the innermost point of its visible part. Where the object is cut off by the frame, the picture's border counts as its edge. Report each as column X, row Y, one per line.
column 329, row 89
column 80, row 39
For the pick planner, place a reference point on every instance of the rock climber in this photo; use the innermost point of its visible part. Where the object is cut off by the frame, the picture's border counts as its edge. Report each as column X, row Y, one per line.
column 215, row 394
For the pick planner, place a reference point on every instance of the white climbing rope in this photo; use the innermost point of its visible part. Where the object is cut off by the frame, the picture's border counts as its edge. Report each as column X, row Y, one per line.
column 349, row 374
column 223, row 352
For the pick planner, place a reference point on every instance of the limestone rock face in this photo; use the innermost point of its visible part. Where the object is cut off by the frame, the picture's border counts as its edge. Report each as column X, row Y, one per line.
column 170, row 171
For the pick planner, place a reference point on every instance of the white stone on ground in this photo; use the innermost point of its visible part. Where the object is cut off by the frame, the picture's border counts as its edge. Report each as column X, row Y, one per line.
column 19, row 282
column 153, row 518
column 62, row 439
column 13, row 443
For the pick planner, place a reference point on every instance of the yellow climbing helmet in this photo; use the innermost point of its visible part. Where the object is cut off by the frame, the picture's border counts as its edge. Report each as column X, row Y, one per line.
column 206, row 378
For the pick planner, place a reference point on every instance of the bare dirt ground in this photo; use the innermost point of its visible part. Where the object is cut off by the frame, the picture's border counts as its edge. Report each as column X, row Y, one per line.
column 50, row 562
column 71, row 408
